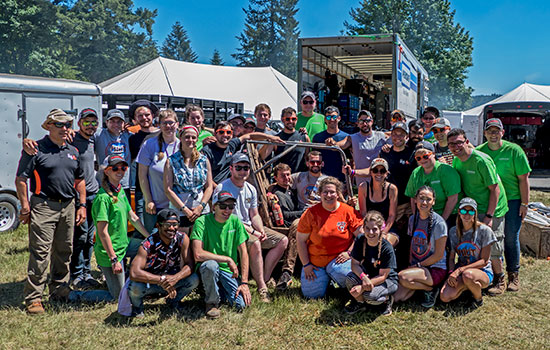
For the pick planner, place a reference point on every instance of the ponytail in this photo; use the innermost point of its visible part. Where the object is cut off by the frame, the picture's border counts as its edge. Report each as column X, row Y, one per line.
column 105, row 184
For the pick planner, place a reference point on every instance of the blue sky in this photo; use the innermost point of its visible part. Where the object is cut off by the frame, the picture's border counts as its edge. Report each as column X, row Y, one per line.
column 511, row 38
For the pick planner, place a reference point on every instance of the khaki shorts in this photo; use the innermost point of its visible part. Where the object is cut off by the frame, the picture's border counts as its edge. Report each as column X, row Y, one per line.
column 273, row 238
column 497, row 249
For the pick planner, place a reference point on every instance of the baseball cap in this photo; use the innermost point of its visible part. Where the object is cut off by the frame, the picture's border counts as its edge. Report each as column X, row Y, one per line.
column 424, row 145
column 87, row 112
column 399, row 113
column 235, row 116
column 239, row 157
column 494, row 122
column 114, row 159
column 115, row 113
column 250, row 119
column 379, row 161
column 467, row 201
column 307, row 94
column 364, row 112
column 142, row 103
column 56, row 115
column 167, row 214
column 400, row 125
column 442, row 123
column 222, row 197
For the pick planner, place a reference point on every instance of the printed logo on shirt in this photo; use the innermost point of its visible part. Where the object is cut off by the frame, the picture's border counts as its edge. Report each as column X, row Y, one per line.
column 71, row 156
column 116, row 147
column 468, row 252
column 471, row 172
column 231, row 231
column 420, row 246
column 341, row 226
column 435, row 182
column 504, row 159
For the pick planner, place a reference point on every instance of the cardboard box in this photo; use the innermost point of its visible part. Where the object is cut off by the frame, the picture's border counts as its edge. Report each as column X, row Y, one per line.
column 535, row 240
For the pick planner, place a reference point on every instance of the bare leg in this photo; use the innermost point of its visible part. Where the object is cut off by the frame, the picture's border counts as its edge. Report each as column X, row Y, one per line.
column 497, row 265
column 449, row 293
column 416, row 278
column 475, row 280
column 273, row 257
column 257, row 264
column 403, row 293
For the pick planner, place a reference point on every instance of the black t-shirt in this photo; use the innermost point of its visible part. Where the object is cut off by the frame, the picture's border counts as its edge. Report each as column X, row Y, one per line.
column 368, row 260
column 401, row 166
column 294, row 159
column 52, row 170
column 135, row 141
column 220, row 158
column 288, row 200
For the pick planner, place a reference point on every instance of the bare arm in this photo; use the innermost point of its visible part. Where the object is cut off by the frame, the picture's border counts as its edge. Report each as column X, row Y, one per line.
column 362, row 198
column 525, row 194
column 136, row 222
column 393, row 209
column 105, row 238
column 301, row 244
column 168, row 182
column 493, row 201
column 343, row 144
column 256, row 220
column 80, row 186
column 449, row 206
column 22, row 193
column 382, row 275
column 243, row 287
column 143, row 171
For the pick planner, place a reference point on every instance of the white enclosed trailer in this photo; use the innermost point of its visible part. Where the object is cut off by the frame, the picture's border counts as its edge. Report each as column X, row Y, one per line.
column 24, row 104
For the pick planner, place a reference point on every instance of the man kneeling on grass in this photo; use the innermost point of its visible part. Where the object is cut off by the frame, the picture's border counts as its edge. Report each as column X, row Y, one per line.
column 216, row 239
column 162, row 265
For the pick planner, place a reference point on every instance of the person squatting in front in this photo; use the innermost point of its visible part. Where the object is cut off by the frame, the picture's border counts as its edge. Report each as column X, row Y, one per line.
column 373, row 278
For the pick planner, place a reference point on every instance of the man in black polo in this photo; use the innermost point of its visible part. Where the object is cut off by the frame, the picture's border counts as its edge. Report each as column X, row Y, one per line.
column 56, row 176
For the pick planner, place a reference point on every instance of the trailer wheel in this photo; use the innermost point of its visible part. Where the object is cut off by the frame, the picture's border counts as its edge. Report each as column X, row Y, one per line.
column 9, row 219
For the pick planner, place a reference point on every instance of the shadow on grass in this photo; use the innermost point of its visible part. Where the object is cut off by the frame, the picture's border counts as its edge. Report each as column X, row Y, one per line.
column 12, row 294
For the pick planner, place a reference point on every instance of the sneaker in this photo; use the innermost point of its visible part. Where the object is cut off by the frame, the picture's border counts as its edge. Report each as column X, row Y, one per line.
column 513, row 282
column 61, row 293
column 271, row 284
column 79, row 283
column 284, row 282
column 35, row 308
column 212, row 311
column 499, row 286
column 430, row 298
column 354, row 307
column 92, row 282
column 264, row 295
column 388, row 309
column 476, row 303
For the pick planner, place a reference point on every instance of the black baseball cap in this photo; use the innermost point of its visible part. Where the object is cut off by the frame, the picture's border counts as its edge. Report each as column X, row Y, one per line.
column 167, row 214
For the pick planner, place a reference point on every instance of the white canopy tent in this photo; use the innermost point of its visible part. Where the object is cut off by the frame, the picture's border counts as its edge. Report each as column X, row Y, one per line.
column 248, row 85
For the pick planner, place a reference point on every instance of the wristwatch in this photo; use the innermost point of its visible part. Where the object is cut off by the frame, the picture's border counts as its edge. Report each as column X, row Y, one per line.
column 203, row 205
column 81, row 205
column 162, row 278
column 489, row 215
column 114, row 260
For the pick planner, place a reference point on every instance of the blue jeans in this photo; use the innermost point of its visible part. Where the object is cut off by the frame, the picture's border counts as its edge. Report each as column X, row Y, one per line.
column 318, row 287
column 512, row 227
column 150, row 220
column 83, row 243
column 138, row 290
column 213, row 278
column 140, row 204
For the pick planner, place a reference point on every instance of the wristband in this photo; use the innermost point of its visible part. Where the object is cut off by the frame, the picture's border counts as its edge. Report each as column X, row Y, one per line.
column 489, row 215
column 309, row 263
column 245, row 283
column 419, row 265
column 352, row 173
column 524, row 204
column 363, row 274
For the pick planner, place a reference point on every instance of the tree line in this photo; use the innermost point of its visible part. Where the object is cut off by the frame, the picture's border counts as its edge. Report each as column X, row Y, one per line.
column 94, row 40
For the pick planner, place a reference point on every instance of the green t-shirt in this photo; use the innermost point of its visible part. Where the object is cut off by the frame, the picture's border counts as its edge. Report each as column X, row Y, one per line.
column 202, row 135
column 314, row 124
column 511, row 161
column 477, row 174
column 443, row 179
column 221, row 239
column 116, row 215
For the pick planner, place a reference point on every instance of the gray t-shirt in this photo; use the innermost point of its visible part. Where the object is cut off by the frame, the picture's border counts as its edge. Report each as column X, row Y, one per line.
column 247, row 198
column 87, row 156
column 306, row 187
column 365, row 149
column 421, row 249
column 469, row 247
column 107, row 144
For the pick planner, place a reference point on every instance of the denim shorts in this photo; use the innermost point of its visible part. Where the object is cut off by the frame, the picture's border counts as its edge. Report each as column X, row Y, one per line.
column 489, row 273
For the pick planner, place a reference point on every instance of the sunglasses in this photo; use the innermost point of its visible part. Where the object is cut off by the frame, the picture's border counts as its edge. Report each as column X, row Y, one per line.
column 170, row 224
column 469, row 212
column 242, row 167
column 395, row 118
column 331, row 117
column 249, row 126
column 379, row 171
column 59, row 125
column 425, row 156
column 122, row 167
column 168, row 123
column 291, row 119
column 314, row 162
column 438, row 130
column 308, row 102
column 368, row 120
column 224, row 132
column 88, row 123
column 224, row 206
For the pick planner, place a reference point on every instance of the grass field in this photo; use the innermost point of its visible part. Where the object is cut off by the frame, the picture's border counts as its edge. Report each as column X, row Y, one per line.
column 512, row 321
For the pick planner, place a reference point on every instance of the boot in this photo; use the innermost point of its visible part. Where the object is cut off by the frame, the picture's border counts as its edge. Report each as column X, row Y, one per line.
column 499, row 285
column 513, row 281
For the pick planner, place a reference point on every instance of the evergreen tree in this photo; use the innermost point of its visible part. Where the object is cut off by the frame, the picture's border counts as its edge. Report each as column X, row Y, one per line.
column 270, row 36
column 216, row 59
column 442, row 46
column 177, row 45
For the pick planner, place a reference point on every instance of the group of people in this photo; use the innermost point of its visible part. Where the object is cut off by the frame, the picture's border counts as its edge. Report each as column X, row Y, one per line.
column 433, row 214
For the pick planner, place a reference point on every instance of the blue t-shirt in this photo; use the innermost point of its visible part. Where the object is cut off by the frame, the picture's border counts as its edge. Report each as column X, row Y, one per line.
column 332, row 159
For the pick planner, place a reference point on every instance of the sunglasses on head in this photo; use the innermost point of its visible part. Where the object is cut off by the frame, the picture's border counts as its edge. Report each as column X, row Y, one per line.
column 377, row 171
column 90, row 122
column 308, row 102
column 227, row 206
column 331, row 117
column 224, row 132
column 242, row 167
column 368, row 120
column 469, row 212
column 291, row 119
column 59, row 125
column 395, row 118
column 424, row 156
column 122, row 167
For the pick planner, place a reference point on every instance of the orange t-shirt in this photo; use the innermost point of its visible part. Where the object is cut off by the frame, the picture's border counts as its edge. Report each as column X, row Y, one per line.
column 330, row 232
